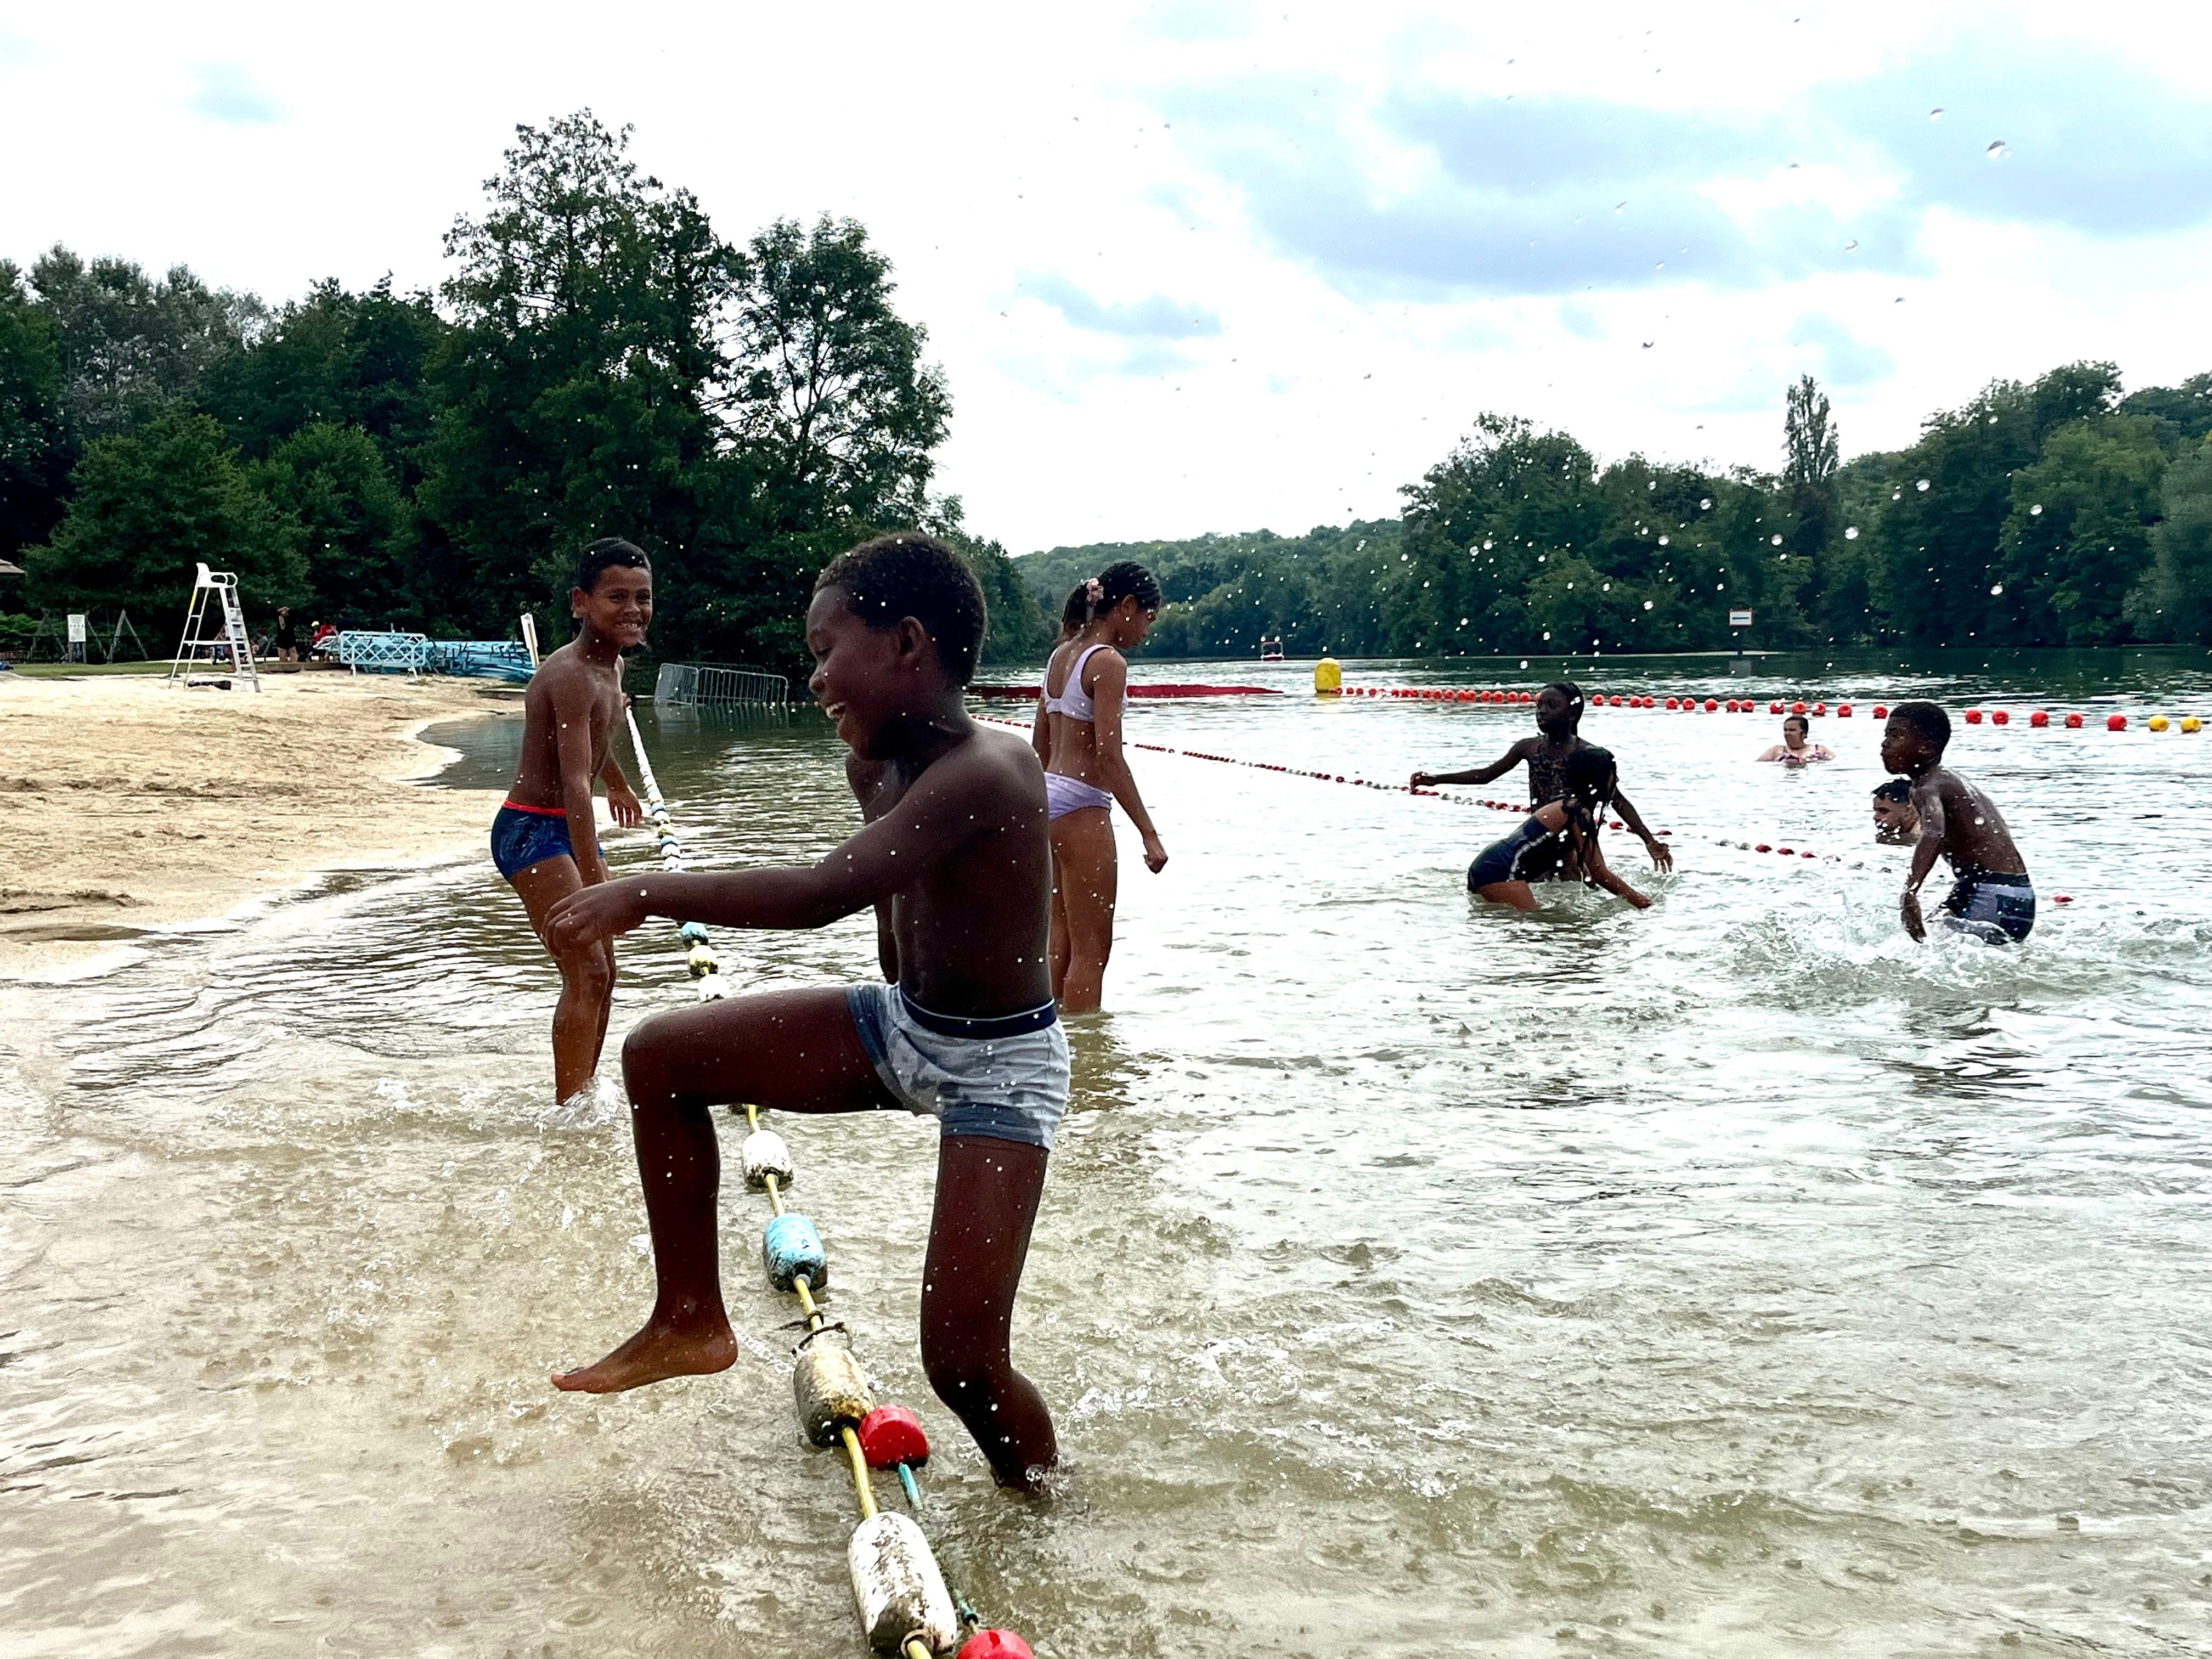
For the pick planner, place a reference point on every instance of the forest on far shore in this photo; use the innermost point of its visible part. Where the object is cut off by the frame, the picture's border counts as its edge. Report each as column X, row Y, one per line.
column 2057, row 512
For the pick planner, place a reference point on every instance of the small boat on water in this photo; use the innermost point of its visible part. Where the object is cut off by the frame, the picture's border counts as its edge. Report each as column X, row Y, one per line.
column 1271, row 648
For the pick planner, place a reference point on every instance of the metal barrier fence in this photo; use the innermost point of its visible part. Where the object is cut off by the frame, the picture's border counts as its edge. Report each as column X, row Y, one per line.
column 361, row 649
column 480, row 660
column 718, row 685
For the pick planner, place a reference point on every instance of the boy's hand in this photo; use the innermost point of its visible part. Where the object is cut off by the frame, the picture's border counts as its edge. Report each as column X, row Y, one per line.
column 1421, row 780
column 1662, row 856
column 597, row 912
column 1156, row 856
column 1909, row 909
column 1636, row 898
column 623, row 802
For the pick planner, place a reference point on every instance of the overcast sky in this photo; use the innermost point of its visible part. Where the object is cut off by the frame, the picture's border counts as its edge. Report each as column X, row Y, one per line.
column 1209, row 265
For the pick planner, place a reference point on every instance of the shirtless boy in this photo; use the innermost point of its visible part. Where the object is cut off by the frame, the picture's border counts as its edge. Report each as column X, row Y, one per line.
column 1559, row 720
column 1991, row 900
column 543, row 840
column 955, row 859
column 1795, row 749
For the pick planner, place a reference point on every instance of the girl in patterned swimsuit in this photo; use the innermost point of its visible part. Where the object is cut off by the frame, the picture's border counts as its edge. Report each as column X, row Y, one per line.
column 1077, row 736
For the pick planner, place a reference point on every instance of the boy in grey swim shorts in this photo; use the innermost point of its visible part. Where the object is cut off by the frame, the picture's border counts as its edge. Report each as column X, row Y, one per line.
column 956, row 860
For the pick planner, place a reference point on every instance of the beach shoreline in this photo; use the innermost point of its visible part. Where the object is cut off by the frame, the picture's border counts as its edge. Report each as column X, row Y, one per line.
column 128, row 805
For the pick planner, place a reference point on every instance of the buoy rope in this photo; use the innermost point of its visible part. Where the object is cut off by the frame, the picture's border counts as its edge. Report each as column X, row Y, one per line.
column 2038, row 718
column 699, row 956
column 1515, row 807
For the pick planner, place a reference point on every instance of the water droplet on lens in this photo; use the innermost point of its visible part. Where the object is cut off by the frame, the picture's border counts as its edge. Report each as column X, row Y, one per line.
column 1935, row 114
column 1776, row 541
column 1647, row 605
column 2036, row 510
column 1998, row 589
column 1851, row 534
column 1705, row 502
column 1662, row 541
column 1998, row 150
column 1922, row 485
column 1852, row 245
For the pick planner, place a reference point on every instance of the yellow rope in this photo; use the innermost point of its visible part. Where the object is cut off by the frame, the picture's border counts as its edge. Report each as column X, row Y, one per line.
column 859, row 1463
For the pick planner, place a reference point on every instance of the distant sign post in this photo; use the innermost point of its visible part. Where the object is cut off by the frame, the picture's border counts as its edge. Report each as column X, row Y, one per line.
column 77, row 635
column 1739, row 664
column 1739, row 619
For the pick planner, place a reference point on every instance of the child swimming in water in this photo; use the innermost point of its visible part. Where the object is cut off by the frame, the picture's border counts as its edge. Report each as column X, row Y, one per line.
column 542, row 839
column 1558, row 722
column 1077, row 737
column 1895, row 823
column 1992, row 899
column 1560, row 833
column 956, row 859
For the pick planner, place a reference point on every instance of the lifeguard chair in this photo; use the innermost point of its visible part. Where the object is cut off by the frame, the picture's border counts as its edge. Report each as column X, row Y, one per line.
column 214, row 593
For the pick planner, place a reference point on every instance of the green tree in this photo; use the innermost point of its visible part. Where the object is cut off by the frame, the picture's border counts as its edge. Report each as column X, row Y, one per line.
column 150, row 504
column 2078, row 537
column 355, row 525
column 573, row 388
column 2174, row 599
column 358, row 360
column 34, row 451
column 2184, row 412
column 832, row 396
column 131, row 345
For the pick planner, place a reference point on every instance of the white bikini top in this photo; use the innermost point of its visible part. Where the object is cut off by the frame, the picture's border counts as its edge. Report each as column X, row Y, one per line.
column 1074, row 701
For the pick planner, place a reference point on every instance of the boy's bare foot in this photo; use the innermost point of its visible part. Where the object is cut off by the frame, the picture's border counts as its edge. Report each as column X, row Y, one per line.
column 654, row 1355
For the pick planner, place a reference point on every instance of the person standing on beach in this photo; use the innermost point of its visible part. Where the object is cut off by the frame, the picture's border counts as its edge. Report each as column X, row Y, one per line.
column 1992, row 899
column 544, row 839
column 1077, row 737
column 956, row 859
column 1558, row 726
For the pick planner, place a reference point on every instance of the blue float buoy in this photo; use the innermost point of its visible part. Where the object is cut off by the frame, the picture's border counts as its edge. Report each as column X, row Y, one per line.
column 790, row 1248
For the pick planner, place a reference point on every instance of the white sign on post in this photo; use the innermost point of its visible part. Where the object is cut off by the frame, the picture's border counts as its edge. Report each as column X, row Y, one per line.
column 1739, row 619
column 77, row 628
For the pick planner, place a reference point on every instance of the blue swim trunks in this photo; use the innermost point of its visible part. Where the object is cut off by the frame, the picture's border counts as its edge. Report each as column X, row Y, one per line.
column 1996, row 907
column 524, row 835
column 1005, row 1078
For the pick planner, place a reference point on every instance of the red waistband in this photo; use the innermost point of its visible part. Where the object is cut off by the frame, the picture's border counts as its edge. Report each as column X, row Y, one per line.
column 542, row 811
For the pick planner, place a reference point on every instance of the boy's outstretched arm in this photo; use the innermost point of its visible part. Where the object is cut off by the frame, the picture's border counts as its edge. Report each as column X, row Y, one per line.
column 572, row 709
column 1498, row 769
column 1928, row 801
column 1662, row 856
column 887, row 856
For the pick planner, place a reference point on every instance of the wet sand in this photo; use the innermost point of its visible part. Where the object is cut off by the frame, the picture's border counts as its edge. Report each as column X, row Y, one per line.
column 126, row 804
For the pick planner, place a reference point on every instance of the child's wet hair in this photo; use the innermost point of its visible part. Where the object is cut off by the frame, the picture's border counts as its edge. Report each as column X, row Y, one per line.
column 1896, row 789
column 1125, row 578
column 604, row 555
column 889, row 578
column 1928, row 719
column 1077, row 611
column 1592, row 776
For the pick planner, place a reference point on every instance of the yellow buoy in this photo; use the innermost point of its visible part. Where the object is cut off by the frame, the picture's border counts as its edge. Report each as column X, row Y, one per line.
column 2158, row 722
column 1329, row 677
column 2191, row 723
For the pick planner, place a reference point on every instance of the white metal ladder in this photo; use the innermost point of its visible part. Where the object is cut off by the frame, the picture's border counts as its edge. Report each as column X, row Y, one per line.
column 222, row 587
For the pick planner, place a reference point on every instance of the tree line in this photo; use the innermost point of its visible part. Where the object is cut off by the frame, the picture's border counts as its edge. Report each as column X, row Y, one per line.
column 2057, row 512
column 599, row 362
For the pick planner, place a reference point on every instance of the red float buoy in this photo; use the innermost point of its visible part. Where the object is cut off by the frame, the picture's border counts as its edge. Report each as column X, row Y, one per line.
column 2062, row 898
column 994, row 1645
column 1842, row 711
column 2001, row 718
column 1973, row 717
column 1674, row 703
column 2115, row 723
column 1796, row 707
column 892, row 1435
column 1712, row 706
column 2038, row 718
column 1880, row 713
column 2074, row 722
column 1762, row 848
column 1774, row 709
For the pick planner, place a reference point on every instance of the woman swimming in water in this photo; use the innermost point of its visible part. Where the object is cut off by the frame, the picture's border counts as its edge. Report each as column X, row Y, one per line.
column 1077, row 736
column 1562, row 832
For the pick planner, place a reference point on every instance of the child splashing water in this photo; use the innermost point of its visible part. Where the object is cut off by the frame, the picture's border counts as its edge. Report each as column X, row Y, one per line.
column 956, row 860
column 1077, row 736
column 543, row 840
column 1992, row 900
column 1560, row 833
column 1558, row 724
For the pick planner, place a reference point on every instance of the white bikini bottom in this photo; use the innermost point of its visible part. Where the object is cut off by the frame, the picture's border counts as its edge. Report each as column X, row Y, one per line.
column 1066, row 795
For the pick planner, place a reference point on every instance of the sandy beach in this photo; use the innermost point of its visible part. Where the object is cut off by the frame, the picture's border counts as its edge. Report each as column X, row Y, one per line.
column 126, row 803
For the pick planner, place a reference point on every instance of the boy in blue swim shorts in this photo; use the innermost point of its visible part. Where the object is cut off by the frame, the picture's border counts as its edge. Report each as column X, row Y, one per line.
column 544, row 840
column 956, row 860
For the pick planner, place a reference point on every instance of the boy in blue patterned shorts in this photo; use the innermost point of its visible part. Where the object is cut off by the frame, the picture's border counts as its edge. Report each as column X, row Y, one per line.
column 956, row 859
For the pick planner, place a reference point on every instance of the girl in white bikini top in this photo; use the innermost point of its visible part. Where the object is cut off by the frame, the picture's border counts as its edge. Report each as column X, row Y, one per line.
column 1074, row 701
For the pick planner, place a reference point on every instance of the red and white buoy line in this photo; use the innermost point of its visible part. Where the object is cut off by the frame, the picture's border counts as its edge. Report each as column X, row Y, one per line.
column 2038, row 718
column 1774, row 848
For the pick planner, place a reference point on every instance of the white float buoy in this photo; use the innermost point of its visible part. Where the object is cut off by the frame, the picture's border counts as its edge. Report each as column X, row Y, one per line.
column 763, row 1155
column 830, row 1390
column 897, row 1586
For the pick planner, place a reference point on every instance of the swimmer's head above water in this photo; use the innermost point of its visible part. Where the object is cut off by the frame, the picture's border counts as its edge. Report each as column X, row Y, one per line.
column 1559, row 709
column 1914, row 740
column 1895, row 823
column 894, row 628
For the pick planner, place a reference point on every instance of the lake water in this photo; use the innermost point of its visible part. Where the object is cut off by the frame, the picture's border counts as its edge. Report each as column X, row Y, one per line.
column 1736, row 1278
